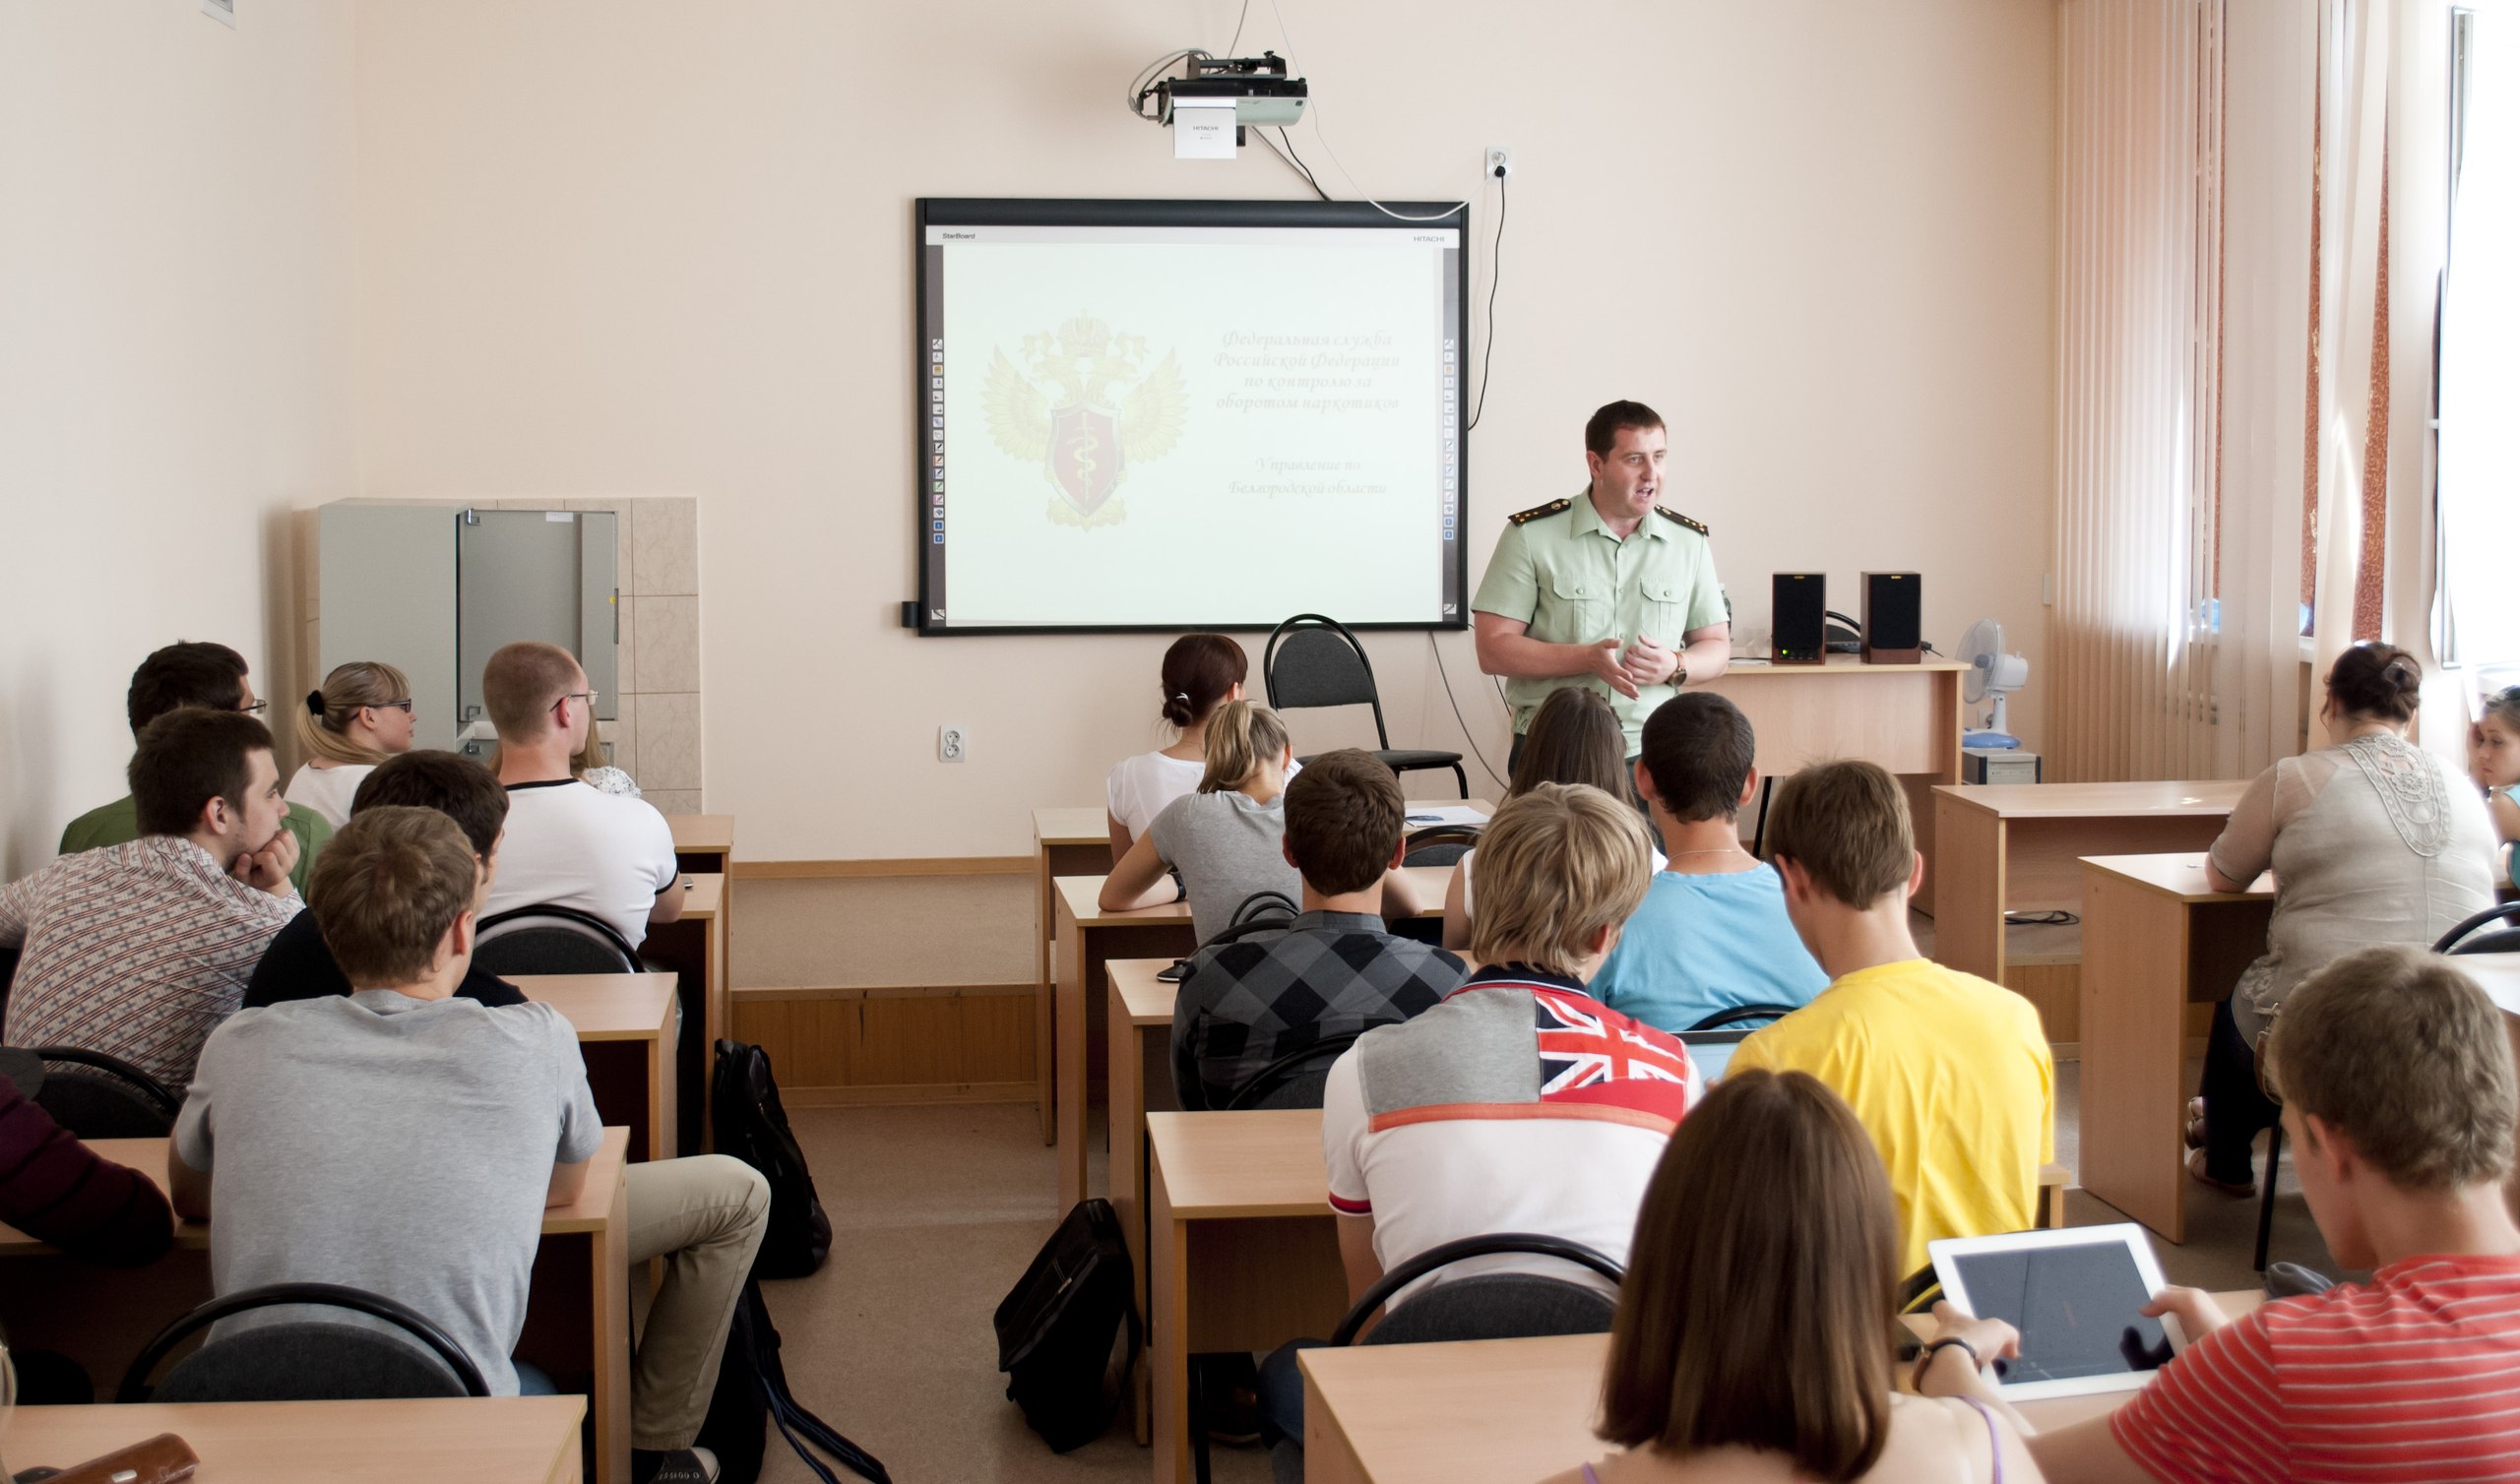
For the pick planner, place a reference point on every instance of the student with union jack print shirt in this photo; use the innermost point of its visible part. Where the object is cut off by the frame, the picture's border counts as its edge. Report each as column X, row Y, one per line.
column 1520, row 1102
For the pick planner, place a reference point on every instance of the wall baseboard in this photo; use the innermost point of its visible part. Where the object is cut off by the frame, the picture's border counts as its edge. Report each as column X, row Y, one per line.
column 767, row 993
column 910, row 1094
column 899, row 865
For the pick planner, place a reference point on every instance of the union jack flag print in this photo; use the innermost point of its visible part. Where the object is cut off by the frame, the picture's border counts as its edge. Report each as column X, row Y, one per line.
column 1590, row 1053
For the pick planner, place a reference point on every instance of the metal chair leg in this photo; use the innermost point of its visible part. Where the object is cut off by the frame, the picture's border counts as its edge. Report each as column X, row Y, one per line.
column 1462, row 776
column 1759, row 834
column 1198, row 1422
column 2266, row 1205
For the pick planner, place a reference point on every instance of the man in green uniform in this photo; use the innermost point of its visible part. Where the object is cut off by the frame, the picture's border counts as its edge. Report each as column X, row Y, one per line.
column 213, row 677
column 1607, row 590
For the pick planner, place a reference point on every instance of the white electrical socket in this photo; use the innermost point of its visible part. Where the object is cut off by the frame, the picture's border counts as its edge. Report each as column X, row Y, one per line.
column 1500, row 161
column 953, row 744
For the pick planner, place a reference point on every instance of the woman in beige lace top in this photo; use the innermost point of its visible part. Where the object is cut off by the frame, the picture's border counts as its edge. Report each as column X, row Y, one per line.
column 2372, row 841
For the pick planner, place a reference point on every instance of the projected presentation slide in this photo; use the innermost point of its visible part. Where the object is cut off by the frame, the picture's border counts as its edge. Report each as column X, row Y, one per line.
column 1170, row 418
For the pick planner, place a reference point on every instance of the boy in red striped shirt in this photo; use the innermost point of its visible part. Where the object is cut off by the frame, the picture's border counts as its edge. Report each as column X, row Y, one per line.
column 2399, row 1103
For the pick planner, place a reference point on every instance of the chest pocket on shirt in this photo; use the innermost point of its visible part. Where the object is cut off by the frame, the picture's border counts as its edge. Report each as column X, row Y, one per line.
column 1667, row 609
column 1575, row 608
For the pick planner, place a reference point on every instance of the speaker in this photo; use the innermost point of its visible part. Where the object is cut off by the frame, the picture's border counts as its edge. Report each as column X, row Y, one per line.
column 1797, row 617
column 1893, row 618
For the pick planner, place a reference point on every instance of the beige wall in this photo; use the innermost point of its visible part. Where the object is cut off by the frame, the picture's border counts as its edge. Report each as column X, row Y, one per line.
column 176, row 261
column 612, row 247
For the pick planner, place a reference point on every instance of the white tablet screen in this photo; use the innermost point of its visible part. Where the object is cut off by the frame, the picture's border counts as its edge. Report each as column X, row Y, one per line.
column 2078, row 1308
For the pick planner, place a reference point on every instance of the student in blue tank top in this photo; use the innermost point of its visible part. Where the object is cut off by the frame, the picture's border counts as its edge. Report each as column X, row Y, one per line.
column 1712, row 933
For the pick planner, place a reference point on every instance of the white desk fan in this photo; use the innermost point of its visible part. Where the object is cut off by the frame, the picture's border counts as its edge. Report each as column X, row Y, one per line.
column 1991, row 672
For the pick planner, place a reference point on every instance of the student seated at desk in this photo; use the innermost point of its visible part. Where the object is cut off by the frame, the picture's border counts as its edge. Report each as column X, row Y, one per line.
column 2496, row 745
column 1334, row 970
column 1712, row 934
column 1520, row 1103
column 570, row 844
column 299, row 966
column 1754, row 1333
column 590, row 766
column 2398, row 1113
column 1574, row 738
column 1201, row 672
column 139, row 950
column 1228, row 840
column 360, row 717
column 2371, row 840
column 1949, row 1072
column 209, row 676
column 405, row 1141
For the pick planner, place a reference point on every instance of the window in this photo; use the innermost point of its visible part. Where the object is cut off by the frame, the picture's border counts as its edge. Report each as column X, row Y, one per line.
column 2477, row 435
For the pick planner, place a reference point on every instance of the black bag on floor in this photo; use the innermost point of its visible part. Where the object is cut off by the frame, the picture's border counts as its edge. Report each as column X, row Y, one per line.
column 752, row 1391
column 751, row 1126
column 1068, row 1334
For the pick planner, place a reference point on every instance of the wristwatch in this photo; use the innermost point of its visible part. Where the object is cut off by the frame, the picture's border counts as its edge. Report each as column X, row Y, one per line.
column 1946, row 1343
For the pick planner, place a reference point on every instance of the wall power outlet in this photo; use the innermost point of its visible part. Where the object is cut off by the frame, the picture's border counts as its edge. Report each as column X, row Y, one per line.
column 953, row 744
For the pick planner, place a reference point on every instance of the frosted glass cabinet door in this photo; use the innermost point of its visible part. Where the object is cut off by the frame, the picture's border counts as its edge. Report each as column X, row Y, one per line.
column 386, row 591
column 547, row 575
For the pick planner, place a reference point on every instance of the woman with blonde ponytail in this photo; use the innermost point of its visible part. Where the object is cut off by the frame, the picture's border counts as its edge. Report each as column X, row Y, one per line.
column 1225, row 841
column 360, row 717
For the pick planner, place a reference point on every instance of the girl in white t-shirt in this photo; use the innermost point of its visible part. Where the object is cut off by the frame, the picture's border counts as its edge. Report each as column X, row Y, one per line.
column 1201, row 672
column 1574, row 738
column 360, row 717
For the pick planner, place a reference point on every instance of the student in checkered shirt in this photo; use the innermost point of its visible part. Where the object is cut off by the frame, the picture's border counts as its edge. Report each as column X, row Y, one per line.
column 1334, row 971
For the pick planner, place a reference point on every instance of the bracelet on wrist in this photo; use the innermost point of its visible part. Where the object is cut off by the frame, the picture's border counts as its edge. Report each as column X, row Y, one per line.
column 1924, row 1362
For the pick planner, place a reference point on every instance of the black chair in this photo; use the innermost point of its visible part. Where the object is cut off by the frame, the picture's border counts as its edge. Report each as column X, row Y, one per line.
column 1439, row 845
column 548, row 939
column 1486, row 1306
column 2266, row 1198
column 2467, row 938
column 1294, row 1079
column 93, row 1096
column 1312, row 661
column 306, row 1360
column 1744, row 1014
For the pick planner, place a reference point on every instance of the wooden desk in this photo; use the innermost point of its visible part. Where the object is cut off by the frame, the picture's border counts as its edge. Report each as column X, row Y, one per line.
column 625, row 1024
column 1904, row 717
column 1244, row 1256
column 577, row 1323
column 694, row 948
column 1498, row 1411
column 2155, row 941
column 1089, row 938
column 1065, row 842
column 499, row 1439
column 703, row 842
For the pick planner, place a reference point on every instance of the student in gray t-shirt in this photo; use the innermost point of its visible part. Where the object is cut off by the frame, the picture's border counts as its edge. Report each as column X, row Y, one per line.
column 401, row 1140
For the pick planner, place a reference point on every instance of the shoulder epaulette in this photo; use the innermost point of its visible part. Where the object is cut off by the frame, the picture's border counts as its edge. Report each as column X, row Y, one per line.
column 1538, row 511
column 1697, row 525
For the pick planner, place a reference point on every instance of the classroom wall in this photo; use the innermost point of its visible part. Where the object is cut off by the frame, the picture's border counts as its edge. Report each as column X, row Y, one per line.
column 615, row 248
column 176, row 355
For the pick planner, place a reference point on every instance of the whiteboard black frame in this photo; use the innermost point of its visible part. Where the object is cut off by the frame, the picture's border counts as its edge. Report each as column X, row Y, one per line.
column 1012, row 211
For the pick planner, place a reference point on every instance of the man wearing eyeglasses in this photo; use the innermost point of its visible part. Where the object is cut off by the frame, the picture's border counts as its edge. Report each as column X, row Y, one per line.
column 207, row 675
column 568, row 843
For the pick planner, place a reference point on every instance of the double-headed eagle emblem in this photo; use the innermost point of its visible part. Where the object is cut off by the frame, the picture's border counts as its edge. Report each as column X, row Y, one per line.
column 1105, row 402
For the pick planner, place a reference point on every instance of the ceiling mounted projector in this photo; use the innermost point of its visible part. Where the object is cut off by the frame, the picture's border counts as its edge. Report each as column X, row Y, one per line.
column 1207, row 109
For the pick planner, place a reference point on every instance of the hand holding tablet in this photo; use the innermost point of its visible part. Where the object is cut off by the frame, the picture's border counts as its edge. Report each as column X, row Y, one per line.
column 2085, row 1310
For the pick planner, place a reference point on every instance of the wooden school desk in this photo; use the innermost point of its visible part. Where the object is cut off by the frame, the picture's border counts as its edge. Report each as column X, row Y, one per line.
column 495, row 1440
column 576, row 1321
column 625, row 1024
column 2156, row 939
column 694, row 948
column 703, row 844
column 2018, row 847
column 1904, row 717
column 1501, row 1411
column 1089, row 938
column 1065, row 842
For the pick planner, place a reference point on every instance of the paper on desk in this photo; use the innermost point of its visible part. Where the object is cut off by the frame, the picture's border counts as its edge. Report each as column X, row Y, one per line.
column 1448, row 814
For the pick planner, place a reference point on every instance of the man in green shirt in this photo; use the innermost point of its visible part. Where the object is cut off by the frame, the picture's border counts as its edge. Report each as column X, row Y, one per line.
column 1607, row 589
column 213, row 677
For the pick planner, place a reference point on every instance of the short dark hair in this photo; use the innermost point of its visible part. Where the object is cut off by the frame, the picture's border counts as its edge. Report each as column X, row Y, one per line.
column 1698, row 749
column 1846, row 823
column 1601, row 431
column 1760, row 1287
column 2376, row 680
column 385, row 890
column 188, row 673
column 449, row 783
column 1344, row 818
column 186, row 758
column 1198, row 670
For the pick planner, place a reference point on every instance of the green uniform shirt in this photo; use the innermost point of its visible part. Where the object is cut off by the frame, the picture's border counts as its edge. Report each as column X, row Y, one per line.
column 120, row 822
column 1559, row 571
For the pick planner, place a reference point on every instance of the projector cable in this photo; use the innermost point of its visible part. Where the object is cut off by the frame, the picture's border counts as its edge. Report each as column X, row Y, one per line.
column 1488, row 767
column 1495, row 270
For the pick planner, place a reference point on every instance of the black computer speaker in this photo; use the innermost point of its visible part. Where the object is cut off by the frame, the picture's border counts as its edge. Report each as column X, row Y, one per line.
column 1893, row 618
column 1797, row 617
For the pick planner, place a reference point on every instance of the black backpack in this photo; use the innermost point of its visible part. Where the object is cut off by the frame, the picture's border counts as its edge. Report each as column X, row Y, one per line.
column 752, row 1391
column 752, row 1126
column 1068, row 1333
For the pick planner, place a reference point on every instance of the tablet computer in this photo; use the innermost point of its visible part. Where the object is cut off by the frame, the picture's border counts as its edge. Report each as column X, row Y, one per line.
column 1713, row 1050
column 2077, row 1296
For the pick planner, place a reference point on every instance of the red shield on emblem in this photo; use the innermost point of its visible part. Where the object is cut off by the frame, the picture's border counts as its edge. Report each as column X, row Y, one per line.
column 1085, row 455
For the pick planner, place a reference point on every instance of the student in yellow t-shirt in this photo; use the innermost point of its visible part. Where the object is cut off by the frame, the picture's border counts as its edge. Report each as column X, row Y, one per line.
column 1949, row 1073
